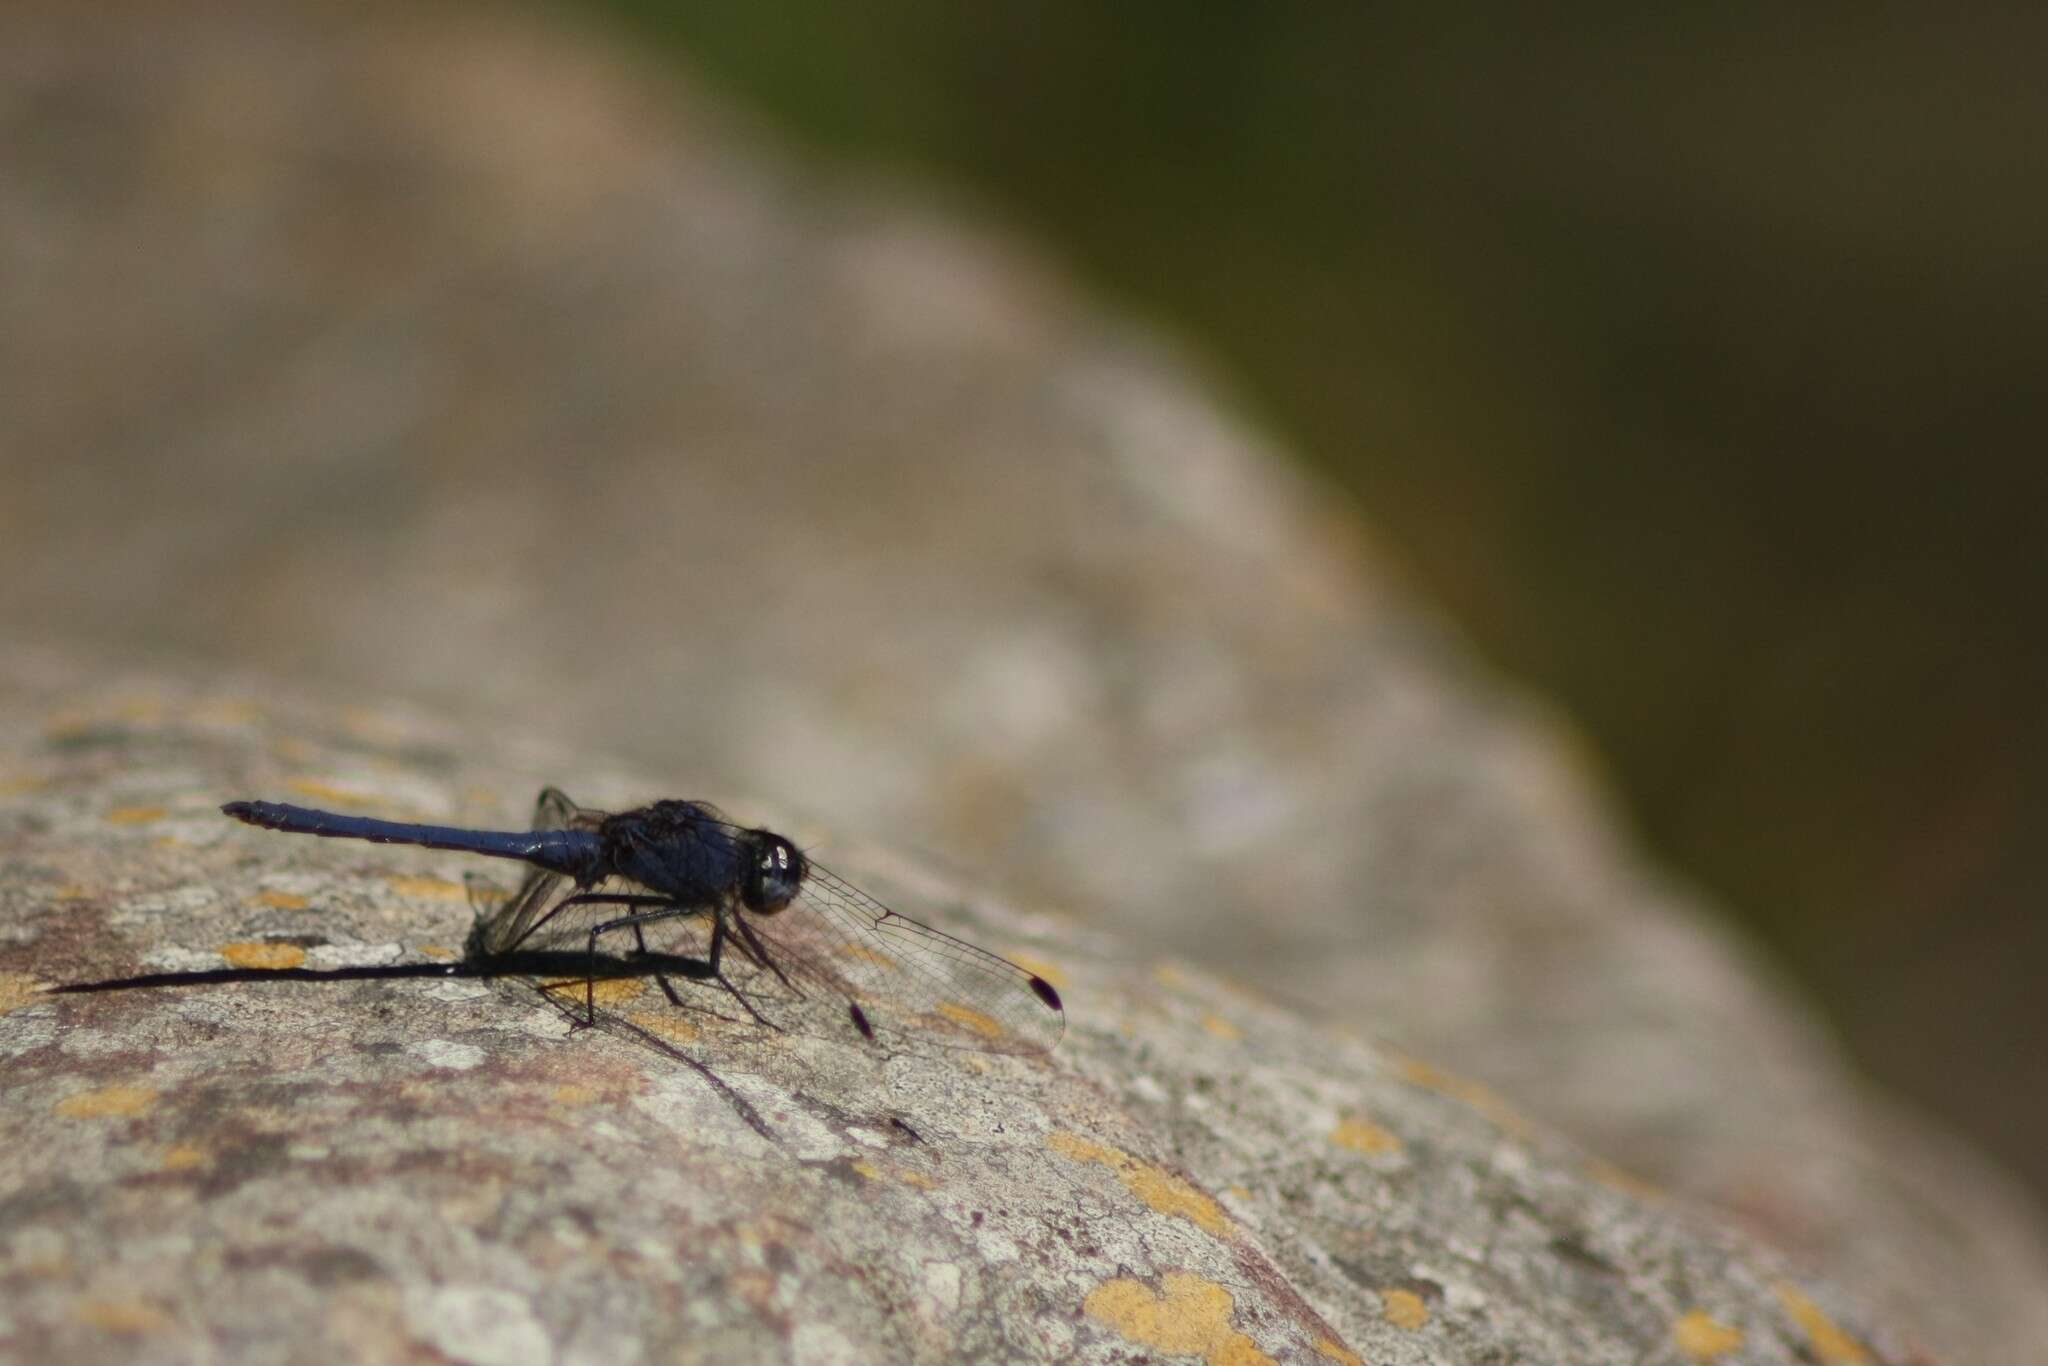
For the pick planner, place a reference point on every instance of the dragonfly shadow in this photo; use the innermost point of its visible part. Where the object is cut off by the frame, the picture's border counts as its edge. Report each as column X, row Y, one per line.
column 547, row 971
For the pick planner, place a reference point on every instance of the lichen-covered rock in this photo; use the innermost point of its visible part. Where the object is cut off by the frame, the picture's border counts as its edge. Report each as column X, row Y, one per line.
column 373, row 1169
column 445, row 353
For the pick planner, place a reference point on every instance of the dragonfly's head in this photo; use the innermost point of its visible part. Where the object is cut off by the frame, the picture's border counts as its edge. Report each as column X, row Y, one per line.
column 775, row 874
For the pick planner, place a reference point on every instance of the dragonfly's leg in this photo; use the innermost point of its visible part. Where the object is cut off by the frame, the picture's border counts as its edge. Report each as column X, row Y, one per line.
column 759, row 952
column 665, row 910
column 668, row 989
column 718, row 937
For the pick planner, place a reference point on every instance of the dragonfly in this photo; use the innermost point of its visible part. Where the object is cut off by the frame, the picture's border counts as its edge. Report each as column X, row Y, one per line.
column 706, row 899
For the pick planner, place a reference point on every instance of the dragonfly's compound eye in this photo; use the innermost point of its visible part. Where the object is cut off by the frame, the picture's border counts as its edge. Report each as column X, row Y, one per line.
column 775, row 876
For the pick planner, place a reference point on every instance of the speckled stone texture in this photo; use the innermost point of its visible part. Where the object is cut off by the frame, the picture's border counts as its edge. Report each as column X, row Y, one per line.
column 317, row 1170
column 455, row 356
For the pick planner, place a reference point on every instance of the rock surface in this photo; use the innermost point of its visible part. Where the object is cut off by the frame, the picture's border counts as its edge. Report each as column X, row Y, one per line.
column 315, row 1170
column 449, row 355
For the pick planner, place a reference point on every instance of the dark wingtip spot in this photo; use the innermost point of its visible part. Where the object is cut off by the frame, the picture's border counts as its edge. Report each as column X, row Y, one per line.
column 1045, row 992
column 860, row 1021
column 239, row 810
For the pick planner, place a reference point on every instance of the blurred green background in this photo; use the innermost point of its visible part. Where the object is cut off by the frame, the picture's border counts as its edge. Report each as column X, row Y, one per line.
column 1691, row 359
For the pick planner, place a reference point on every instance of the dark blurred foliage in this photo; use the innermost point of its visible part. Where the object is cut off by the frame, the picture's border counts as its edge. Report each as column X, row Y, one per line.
column 1692, row 357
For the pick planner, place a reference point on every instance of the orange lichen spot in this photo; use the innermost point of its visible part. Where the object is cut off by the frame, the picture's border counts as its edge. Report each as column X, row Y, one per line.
column 280, row 901
column 1404, row 1309
column 665, row 1024
column 1704, row 1338
column 123, row 1316
column 264, row 957
column 15, row 784
column 1157, row 1187
column 1831, row 1345
column 68, row 725
column 1173, row 977
column 118, row 1102
column 1221, row 1028
column 1364, row 1136
column 1238, row 1192
column 1479, row 1098
column 183, row 1158
column 611, row 992
column 18, row 989
column 1187, row 1316
column 428, row 888
column 1623, row 1180
column 1041, row 967
column 440, row 951
column 72, row 891
column 327, row 792
column 572, row 1096
column 1330, row 1350
column 226, row 711
column 135, row 815
column 972, row 1020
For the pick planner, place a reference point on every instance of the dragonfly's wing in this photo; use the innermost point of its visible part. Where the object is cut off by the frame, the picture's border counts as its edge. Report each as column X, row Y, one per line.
column 507, row 927
column 903, row 977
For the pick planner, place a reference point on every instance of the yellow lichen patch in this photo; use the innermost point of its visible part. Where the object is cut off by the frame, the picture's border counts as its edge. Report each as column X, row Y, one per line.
column 1238, row 1192
column 1157, row 1187
column 1173, row 977
column 183, row 1158
column 327, row 792
column 18, row 989
column 1704, row 1338
column 874, row 1171
column 122, row 1102
column 135, row 815
column 428, row 888
column 1404, row 1309
column 1364, row 1136
column 1830, row 1344
column 16, row 784
column 665, row 1024
column 440, row 951
column 1188, row 1316
column 1478, row 1097
column 123, row 1316
column 1221, row 1028
column 1330, row 1350
column 1040, row 967
column 611, row 992
column 973, row 1020
column 280, row 901
column 572, row 1096
column 264, row 957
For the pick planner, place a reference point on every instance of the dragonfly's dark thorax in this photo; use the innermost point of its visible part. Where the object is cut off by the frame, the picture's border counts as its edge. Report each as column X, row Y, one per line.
column 680, row 849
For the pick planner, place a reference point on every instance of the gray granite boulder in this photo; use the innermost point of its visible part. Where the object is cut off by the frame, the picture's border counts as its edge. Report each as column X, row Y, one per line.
column 460, row 357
